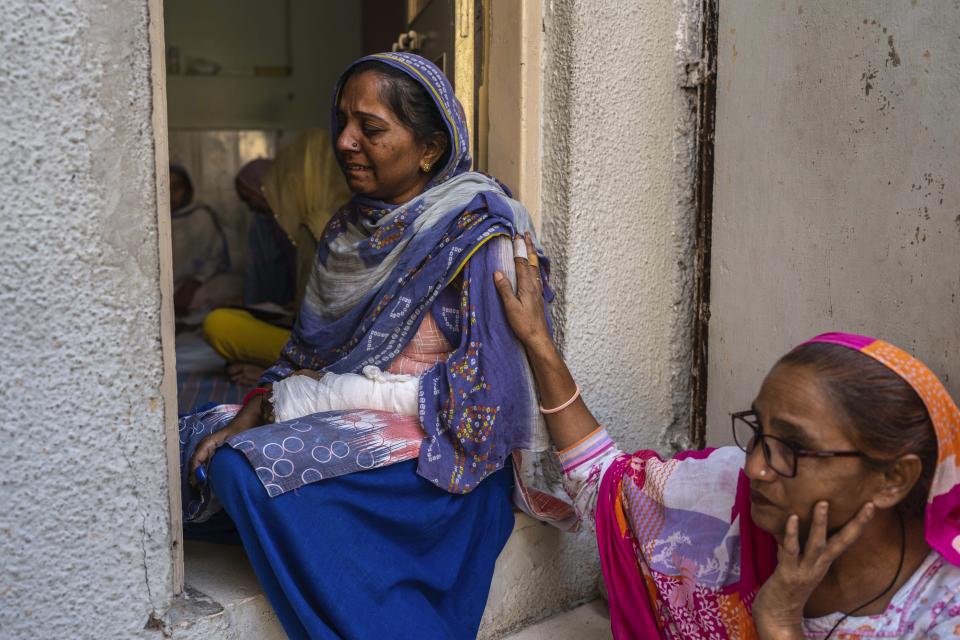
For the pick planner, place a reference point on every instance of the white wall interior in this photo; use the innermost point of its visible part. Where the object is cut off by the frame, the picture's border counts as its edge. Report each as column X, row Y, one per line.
column 251, row 42
column 85, row 522
column 837, row 205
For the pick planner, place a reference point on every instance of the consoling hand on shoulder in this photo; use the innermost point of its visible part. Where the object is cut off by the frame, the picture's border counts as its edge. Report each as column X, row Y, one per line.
column 525, row 309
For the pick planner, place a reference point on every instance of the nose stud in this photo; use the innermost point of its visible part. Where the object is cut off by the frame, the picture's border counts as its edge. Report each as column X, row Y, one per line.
column 763, row 472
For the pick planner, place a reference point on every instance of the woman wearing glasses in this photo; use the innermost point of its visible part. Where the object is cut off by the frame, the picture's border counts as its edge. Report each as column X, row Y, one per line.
column 842, row 520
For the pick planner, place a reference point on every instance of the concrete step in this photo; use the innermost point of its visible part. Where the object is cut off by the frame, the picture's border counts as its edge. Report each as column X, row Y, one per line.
column 223, row 600
column 539, row 573
column 590, row 621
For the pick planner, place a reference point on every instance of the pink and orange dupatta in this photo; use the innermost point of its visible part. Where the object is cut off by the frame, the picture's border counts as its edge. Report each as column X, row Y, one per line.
column 681, row 557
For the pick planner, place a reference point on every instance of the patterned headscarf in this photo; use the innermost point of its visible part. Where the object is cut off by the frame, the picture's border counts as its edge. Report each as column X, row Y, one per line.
column 942, row 515
column 431, row 78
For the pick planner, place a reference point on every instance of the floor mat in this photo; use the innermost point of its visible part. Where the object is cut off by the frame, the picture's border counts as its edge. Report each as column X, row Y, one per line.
column 195, row 390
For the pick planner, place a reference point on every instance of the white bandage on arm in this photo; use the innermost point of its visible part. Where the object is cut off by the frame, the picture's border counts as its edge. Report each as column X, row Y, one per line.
column 299, row 396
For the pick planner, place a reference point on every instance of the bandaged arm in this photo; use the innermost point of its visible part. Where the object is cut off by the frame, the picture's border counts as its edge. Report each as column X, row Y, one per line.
column 299, row 396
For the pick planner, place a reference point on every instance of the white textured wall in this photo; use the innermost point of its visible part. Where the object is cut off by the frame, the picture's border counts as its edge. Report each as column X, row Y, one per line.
column 617, row 218
column 617, row 221
column 837, row 199
column 84, row 521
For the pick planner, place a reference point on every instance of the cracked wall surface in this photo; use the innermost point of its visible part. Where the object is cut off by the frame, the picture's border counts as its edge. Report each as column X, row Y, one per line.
column 837, row 203
column 84, row 528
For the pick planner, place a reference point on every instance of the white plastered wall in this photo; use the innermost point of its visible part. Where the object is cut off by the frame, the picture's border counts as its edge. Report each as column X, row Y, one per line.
column 617, row 214
column 85, row 518
column 837, row 201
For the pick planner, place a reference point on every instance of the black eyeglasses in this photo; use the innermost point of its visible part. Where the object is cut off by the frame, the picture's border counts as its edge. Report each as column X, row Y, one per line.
column 780, row 455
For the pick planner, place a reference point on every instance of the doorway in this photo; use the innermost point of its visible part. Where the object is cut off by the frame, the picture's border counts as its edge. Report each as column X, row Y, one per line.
column 247, row 81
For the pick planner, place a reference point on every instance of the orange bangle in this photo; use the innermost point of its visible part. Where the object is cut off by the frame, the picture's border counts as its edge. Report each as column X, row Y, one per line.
column 576, row 394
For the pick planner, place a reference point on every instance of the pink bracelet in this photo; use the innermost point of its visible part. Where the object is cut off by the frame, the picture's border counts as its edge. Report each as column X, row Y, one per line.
column 576, row 394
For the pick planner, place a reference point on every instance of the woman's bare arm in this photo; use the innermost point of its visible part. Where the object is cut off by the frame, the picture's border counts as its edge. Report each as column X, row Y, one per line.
column 525, row 313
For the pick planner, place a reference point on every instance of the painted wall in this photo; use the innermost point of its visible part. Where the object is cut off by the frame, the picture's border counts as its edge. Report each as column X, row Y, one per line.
column 837, row 200
column 616, row 218
column 322, row 37
column 84, row 524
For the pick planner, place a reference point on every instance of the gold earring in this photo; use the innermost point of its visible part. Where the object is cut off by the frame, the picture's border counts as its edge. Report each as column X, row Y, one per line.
column 425, row 166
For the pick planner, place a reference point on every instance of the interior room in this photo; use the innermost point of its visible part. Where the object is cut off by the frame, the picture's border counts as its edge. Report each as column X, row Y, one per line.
column 245, row 81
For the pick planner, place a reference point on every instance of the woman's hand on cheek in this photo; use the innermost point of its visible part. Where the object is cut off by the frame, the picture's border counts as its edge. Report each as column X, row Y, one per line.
column 778, row 609
column 525, row 308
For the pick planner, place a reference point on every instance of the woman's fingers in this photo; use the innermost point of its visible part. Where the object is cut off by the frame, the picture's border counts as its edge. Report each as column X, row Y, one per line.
column 201, row 454
column 841, row 541
column 534, row 262
column 523, row 307
column 791, row 537
column 204, row 450
column 532, row 257
column 519, row 248
column 505, row 289
column 525, row 280
column 817, row 537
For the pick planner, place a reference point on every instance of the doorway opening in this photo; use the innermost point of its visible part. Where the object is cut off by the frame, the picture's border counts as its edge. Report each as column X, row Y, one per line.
column 248, row 84
column 241, row 81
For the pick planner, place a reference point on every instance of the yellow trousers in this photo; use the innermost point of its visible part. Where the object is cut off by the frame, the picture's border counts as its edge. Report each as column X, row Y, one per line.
column 239, row 337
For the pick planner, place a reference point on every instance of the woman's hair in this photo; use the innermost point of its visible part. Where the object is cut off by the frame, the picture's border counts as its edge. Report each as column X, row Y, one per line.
column 887, row 417
column 411, row 103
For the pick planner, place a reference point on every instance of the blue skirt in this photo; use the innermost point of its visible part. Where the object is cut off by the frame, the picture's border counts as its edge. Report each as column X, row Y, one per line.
column 376, row 554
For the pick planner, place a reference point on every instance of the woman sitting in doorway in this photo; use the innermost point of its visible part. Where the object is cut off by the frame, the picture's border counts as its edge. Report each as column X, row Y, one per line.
column 842, row 521
column 396, row 520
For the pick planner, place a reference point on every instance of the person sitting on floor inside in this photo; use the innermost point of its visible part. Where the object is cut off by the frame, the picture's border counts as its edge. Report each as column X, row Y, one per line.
column 202, row 278
column 270, row 276
column 292, row 198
